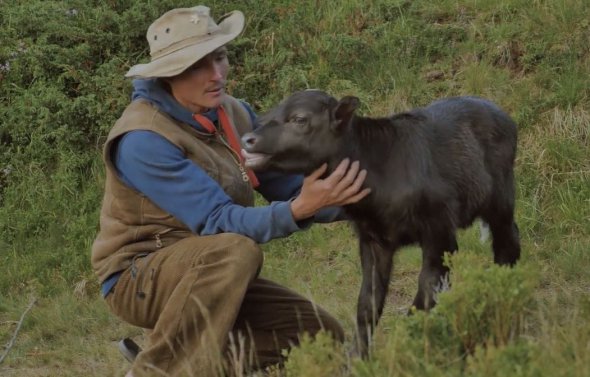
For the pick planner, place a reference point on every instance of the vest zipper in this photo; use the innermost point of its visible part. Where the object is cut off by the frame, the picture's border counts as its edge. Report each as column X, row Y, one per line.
column 234, row 155
column 158, row 237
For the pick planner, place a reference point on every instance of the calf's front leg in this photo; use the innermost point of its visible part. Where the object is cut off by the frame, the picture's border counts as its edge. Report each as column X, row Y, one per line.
column 376, row 265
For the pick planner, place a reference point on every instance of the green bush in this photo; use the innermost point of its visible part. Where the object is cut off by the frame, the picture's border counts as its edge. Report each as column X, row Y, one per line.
column 320, row 356
column 478, row 322
column 486, row 306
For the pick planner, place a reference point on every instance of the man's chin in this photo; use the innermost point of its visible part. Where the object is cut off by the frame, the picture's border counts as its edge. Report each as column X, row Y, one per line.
column 208, row 102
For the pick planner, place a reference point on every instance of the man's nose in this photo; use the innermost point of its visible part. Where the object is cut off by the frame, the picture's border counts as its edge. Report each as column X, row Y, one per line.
column 216, row 72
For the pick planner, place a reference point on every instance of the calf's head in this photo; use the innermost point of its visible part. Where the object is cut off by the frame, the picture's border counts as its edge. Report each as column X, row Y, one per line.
column 300, row 134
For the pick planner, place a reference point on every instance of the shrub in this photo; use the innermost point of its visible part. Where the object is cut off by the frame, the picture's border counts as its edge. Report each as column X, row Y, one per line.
column 319, row 356
column 486, row 306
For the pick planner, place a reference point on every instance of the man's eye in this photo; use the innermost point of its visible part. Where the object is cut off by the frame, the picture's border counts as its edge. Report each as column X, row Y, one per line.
column 195, row 67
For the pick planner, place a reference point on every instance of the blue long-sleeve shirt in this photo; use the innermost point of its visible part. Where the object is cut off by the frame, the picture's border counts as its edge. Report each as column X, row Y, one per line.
column 146, row 162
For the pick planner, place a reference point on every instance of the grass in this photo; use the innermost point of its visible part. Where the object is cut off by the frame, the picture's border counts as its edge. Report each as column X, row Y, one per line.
column 61, row 94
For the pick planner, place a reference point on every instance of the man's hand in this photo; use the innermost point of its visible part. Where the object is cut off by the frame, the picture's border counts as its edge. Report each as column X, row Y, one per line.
column 341, row 187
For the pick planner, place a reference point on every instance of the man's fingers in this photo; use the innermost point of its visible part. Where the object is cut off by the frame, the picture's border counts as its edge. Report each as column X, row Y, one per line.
column 358, row 196
column 318, row 172
column 348, row 179
column 341, row 187
column 353, row 188
column 338, row 173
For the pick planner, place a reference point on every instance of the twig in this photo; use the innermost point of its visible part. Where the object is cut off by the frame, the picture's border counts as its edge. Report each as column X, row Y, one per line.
column 18, row 326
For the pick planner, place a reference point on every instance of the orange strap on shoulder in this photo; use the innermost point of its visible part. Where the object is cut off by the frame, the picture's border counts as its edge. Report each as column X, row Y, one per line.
column 231, row 136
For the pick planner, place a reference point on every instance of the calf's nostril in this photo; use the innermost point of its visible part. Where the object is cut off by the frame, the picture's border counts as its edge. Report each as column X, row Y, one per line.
column 249, row 140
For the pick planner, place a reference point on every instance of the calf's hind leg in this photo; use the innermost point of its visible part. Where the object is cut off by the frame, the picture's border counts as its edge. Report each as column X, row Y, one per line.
column 376, row 264
column 434, row 272
column 505, row 234
column 505, row 239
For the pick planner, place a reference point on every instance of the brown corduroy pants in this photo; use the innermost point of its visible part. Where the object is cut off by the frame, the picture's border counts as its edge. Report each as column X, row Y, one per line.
column 208, row 311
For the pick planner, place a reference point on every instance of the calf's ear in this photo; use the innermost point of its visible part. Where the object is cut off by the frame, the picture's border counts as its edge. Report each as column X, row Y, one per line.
column 343, row 112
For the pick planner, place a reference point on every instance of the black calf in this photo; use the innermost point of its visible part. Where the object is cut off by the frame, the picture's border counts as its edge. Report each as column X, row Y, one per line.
column 431, row 170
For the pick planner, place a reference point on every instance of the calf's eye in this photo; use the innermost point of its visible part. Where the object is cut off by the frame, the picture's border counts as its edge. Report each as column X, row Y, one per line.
column 299, row 120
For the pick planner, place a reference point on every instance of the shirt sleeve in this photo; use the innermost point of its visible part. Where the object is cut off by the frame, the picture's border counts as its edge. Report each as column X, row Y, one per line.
column 183, row 189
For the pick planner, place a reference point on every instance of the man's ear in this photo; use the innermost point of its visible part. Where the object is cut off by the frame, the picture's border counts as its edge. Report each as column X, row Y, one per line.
column 343, row 112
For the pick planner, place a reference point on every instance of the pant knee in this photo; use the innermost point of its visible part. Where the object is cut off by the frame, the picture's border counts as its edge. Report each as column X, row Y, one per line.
column 332, row 326
column 243, row 253
column 323, row 321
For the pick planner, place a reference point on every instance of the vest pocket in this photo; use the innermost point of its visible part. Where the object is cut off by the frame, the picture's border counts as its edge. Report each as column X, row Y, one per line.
column 143, row 274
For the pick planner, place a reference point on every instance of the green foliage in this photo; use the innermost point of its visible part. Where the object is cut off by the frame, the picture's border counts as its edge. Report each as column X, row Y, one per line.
column 512, row 360
column 480, row 321
column 486, row 306
column 320, row 356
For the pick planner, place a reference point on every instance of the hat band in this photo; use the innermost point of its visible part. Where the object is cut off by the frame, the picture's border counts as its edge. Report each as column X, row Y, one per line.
column 180, row 45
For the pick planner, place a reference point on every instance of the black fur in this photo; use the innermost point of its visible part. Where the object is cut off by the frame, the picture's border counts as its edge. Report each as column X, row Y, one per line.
column 432, row 170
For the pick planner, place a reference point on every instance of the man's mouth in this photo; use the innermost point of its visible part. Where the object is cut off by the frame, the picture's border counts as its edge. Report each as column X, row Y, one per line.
column 217, row 90
column 255, row 160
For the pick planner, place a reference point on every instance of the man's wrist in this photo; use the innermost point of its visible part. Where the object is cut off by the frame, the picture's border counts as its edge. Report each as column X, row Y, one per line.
column 299, row 211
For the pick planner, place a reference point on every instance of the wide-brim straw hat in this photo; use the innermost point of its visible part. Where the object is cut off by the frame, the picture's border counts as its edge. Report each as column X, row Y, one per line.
column 182, row 36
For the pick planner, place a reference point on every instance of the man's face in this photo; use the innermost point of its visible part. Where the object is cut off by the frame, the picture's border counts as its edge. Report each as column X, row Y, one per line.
column 202, row 85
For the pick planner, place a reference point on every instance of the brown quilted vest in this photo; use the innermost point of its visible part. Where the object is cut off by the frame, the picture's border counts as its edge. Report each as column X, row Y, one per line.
column 130, row 223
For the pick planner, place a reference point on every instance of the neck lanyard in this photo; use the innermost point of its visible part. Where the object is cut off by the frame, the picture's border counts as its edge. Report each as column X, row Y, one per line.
column 232, row 138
